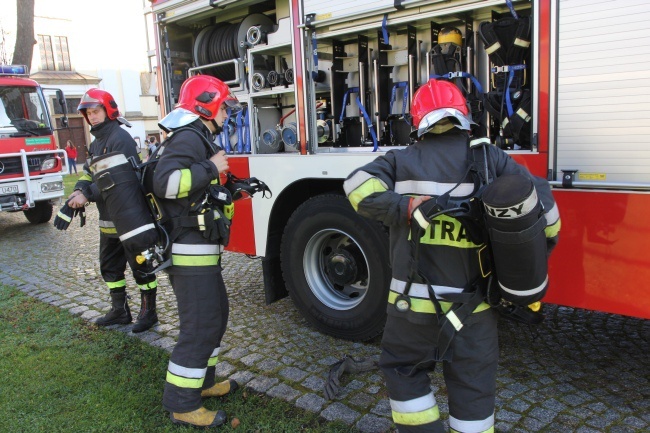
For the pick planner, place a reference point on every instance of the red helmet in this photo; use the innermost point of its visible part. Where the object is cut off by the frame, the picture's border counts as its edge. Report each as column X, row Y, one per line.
column 203, row 95
column 437, row 100
column 99, row 98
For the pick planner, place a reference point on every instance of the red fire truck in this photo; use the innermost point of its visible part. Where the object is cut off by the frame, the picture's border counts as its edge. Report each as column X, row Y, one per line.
column 31, row 165
column 561, row 85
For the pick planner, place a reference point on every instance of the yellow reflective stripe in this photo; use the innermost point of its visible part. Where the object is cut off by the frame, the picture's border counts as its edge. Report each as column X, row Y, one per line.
column 148, row 286
column 212, row 361
column 184, row 382
column 185, row 183
column 447, row 231
column 229, row 210
column 85, row 177
column 210, row 260
column 63, row 216
column 552, row 230
column 417, row 418
column 116, row 284
column 425, row 306
column 364, row 190
column 490, row 430
column 108, row 230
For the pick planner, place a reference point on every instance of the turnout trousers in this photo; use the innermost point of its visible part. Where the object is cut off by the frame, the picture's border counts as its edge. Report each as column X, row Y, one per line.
column 470, row 376
column 112, row 264
column 203, row 314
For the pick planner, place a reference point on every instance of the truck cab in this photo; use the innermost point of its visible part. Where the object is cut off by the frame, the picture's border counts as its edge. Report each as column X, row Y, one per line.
column 31, row 165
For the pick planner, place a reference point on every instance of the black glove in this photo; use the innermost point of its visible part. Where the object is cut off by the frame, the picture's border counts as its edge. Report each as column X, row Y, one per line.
column 65, row 215
column 243, row 188
column 346, row 365
column 63, row 218
column 217, row 227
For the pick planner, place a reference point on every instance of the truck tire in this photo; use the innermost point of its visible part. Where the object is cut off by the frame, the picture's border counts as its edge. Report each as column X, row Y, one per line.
column 335, row 266
column 40, row 213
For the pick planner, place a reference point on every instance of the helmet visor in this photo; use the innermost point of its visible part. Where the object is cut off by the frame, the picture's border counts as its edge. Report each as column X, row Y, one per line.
column 176, row 118
column 457, row 118
column 232, row 104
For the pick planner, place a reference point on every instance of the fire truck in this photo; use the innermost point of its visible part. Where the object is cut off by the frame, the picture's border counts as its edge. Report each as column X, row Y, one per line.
column 31, row 164
column 561, row 85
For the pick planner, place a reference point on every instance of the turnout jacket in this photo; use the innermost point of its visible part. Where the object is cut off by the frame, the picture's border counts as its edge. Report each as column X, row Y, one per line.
column 109, row 137
column 181, row 178
column 449, row 260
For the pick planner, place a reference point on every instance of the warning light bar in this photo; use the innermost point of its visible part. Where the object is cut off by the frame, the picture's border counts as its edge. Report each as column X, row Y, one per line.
column 14, row 70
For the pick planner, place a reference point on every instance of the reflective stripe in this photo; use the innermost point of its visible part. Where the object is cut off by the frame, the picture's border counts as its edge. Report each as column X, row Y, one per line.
column 137, row 231
column 106, row 163
column 525, row 207
column 85, row 177
column 421, row 291
column 523, row 114
column 522, row 43
column 179, row 184
column 179, row 370
column 552, row 230
column 196, row 249
column 446, row 231
column 173, row 183
column 63, row 216
column 149, row 286
column 185, row 183
column 359, row 178
column 423, row 187
column 481, row 426
column 492, row 48
column 212, row 260
column 414, row 405
column 214, row 358
column 453, row 318
column 116, row 284
column 365, row 190
column 533, row 291
column 418, row 216
column 419, row 297
column 185, row 377
column 106, row 224
column 418, row 411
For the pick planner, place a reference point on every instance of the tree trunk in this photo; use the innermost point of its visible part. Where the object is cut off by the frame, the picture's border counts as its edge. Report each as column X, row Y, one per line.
column 24, row 49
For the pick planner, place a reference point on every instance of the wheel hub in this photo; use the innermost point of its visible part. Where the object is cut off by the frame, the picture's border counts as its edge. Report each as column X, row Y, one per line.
column 341, row 267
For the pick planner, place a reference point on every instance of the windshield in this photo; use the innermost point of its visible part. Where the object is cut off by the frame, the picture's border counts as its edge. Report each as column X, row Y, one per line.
column 23, row 108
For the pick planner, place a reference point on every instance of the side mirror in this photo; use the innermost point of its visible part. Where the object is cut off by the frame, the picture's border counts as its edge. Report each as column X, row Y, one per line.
column 62, row 102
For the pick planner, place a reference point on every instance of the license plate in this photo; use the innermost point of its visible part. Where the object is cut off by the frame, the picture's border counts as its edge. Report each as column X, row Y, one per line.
column 12, row 189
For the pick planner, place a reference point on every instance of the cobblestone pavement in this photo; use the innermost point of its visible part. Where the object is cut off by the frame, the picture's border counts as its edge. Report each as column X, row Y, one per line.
column 579, row 371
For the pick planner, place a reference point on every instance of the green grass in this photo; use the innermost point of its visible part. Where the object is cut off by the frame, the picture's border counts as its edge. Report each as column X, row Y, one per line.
column 69, row 180
column 62, row 374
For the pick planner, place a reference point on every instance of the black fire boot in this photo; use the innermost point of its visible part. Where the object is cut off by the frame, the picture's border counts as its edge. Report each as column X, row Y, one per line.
column 120, row 313
column 147, row 316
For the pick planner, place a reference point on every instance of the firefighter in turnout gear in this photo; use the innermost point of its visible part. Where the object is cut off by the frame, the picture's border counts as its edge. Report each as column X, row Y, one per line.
column 101, row 112
column 447, row 290
column 196, row 211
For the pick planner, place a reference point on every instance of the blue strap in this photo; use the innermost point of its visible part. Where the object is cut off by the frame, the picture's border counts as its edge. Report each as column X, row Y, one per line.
column 452, row 75
column 510, row 69
column 405, row 86
column 384, row 30
column 247, row 141
column 512, row 9
column 314, row 44
column 226, row 133
column 370, row 128
column 240, row 138
column 345, row 101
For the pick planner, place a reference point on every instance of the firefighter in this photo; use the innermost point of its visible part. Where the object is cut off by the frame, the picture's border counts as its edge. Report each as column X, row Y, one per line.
column 196, row 211
column 101, row 112
column 391, row 189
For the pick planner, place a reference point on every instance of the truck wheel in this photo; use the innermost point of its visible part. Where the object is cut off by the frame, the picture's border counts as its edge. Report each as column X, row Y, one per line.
column 41, row 213
column 336, row 268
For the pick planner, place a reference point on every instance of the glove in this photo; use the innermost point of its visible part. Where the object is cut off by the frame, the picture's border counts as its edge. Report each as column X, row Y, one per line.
column 217, row 228
column 64, row 216
column 346, row 365
column 244, row 188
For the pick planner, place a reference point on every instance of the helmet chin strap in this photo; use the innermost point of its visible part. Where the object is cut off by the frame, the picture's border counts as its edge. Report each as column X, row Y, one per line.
column 217, row 128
